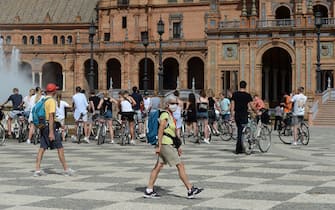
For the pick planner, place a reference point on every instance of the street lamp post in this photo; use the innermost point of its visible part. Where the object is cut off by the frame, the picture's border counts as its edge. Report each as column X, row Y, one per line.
column 145, row 42
column 91, row 73
column 318, row 24
column 160, row 31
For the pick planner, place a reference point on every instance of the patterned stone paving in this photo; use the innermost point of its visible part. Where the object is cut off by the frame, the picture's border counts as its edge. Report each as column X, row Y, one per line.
column 114, row 177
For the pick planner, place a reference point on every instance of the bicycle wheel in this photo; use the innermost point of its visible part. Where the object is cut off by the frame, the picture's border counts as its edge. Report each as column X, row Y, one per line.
column 246, row 140
column 36, row 136
column 304, row 134
column 264, row 140
column 286, row 134
column 182, row 133
column 225, row 131
column 2, row 135
column 102, row 135
column 79, row 132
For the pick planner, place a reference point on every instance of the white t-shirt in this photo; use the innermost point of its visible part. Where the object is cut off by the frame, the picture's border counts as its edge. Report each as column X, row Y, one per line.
column 80, row 104
column 27, row 103
column 60, row 110
column 299, row 101
column 147, row 103
column 126, row 106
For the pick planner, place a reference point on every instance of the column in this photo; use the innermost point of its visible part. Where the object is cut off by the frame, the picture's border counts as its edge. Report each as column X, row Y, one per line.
column 244, row 8
column 64, row 81
column 253, row 8
column 283, row 80
column 40, row 82
column 33, row 78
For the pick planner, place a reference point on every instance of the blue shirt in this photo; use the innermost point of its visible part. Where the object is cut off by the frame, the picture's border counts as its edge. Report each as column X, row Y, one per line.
column 16, row 100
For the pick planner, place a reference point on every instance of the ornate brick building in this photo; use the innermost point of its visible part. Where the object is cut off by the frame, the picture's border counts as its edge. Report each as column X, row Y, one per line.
column 206, row 43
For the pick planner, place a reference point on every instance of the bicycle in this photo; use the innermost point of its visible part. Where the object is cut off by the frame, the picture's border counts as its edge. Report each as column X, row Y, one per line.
column 285, row 131
column 201, row 133
column 2, row 129
column 21, row 127
column 256, row 134
column 125, row 128
column 225, row 128
column 80, row 128
column 36, row 136
column 101, row 133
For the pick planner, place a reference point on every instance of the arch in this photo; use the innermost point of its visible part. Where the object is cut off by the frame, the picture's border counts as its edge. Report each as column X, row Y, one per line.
column 276, row 74
column 69, row 39
column 283, row 12
column 24, row 40
column 113, row 73
column 195, row 69
column 32, row 40
column 55, row 40
column 323, row 9
column 150, row 74
column 62, row 40
column 26, row 69
column 87, row 66
column 286, row 46
column 52, row 72
column 39, row 40
column 170, row 73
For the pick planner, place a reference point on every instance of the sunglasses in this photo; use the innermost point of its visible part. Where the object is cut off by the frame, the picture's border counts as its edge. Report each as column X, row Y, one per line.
column 172, row 103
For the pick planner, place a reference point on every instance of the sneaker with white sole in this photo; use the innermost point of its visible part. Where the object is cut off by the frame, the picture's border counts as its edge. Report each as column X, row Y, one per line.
column 69, row 172
column 28, row 141
column 133, row 142
column 194, row 191
column 152, row 194
column 38, row 173
column 206, row 141
column 86, row 140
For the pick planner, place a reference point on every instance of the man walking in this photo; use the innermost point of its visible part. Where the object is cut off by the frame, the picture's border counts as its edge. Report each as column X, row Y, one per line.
column 50, row 137
column 299, row 102
column 137, row 108
column 241, row 102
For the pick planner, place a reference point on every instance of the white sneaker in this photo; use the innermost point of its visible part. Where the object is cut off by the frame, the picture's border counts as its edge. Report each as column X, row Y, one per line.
column 86, row 140
column 142, row 135
column 206, row 141
column 28, row 141
column 69, row 172
column 133, row 142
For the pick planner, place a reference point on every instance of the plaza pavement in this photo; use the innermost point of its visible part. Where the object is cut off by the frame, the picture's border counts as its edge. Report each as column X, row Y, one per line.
column 114, row 177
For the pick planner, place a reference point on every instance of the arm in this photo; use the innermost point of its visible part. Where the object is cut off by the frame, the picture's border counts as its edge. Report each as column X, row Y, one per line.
column 51, row 126
column 161, row 128
column 232, row 109
column 100, row 103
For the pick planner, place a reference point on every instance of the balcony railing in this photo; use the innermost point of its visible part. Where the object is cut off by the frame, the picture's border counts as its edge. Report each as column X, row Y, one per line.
column 229, row 24
column 276, row 23
column 123, row 3
column 328, row 22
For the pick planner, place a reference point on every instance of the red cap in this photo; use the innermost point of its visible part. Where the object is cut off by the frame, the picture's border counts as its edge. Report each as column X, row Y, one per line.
column 51, row 87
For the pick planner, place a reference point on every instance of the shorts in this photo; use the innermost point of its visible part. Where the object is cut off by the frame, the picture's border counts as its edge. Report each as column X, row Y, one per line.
column 108, row 115
column 45, row 142
column 225, row 117
column 296, row 120
column 14, row 114
column 202, row 115
column 138, row 114
column 76, row 116
column 169, row 155
column 128, row 116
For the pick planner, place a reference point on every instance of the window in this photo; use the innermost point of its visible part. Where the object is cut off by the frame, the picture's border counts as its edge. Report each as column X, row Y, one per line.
column 188, row 0
column 172, row 1
column 39, row 40
column 24, row 40
column 55, row 40
column 62, row 40
column 8, row 40
column 124, row 22
column 107, row 37
column 176, row 30
column 69, row 40
column 32, row 40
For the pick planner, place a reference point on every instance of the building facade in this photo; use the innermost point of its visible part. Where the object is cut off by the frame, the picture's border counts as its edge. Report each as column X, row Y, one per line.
column 206, row 43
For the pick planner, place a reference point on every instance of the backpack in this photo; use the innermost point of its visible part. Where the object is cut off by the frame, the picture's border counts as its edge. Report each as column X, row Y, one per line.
column 153, row 125
column 38, row 113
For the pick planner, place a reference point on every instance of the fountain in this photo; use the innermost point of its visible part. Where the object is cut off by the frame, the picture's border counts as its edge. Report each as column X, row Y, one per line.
column 10, row 75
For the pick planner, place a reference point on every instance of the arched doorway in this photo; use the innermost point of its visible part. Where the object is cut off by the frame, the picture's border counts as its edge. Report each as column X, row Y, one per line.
column 150, row 74
column 52, row 72
column 171, row 73
column 195, row 69
column 87, row 66
column 26, row 70
column 276, row 74
column 322, row 9
column 113, row 73
column 283, row 12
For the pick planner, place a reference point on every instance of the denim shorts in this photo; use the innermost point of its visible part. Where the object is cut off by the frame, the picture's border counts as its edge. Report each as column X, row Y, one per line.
column 108, row 114
column 202, row 115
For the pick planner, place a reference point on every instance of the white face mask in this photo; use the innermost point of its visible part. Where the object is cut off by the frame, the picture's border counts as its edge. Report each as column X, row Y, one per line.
column 173, row 107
